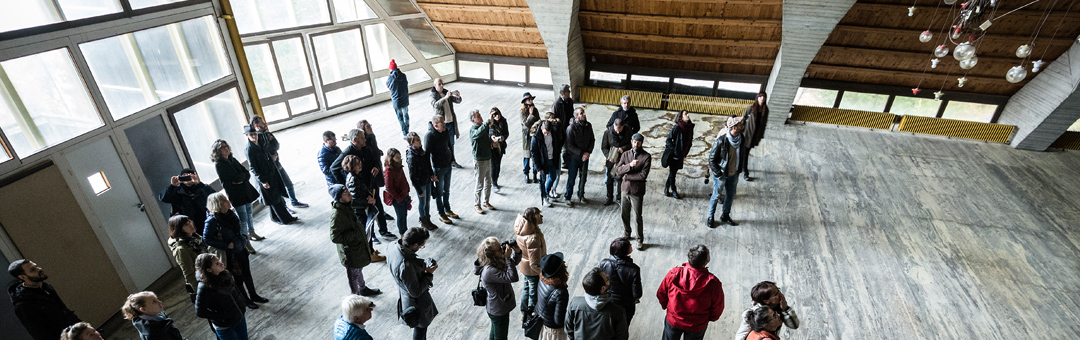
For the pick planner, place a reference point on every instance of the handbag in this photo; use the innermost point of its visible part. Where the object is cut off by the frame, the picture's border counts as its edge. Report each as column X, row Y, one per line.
column 479, row 295
column 532, row 326
column 613, row 155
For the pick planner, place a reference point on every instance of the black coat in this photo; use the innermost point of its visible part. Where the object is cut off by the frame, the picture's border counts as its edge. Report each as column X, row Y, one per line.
column 227, row 225
column 188, row 200
column 580, row 139
column 629, row 119
column 223, row 308
column 551, row 305
column 420, row 170
column 499, row 129
column 266, row 172
column 564, row 111
column 367, row 158
column 678, row 145
column 236, row 180
column 156, row 329
column 41, row 311
column 539, row 149
column 615, row 140
column 625, row 277
column 438, row 147
column 360, row 190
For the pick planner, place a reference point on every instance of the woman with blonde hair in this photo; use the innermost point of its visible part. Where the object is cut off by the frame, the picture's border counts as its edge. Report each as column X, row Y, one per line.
column 80, row 331
column 496, row 264
column 533, row 247
column 185, row 245
column 223, row 232
column 147, row 314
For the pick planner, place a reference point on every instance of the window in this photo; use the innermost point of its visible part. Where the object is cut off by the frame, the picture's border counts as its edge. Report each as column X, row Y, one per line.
column 598, row 77
column 398, row 7
column 693, row 86
column 444, row 68
column 864, row 101
column 347, row 94
column 473, row 69
column 352, row 10
column 220, row 117
column 5, row 154
column 137, row 4
column 263, row 71
column 540, row 75
column 340, row 57
column 19, row 14
column 911, row 106
column 423, row 36
column 1075, row 127
column 815, row 97
column 140, row 69
column 282, row 76
column 383, row 46
column 415, row 76
column 505, row 72
column 99, row 183
column 43, row 101
column 649, row 83
column 731, row 86
column 976, row 112
column 268, row 15
column 292, row 63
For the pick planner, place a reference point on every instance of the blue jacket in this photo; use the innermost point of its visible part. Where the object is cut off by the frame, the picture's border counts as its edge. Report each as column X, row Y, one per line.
column 343, row 330
column 326, row 159
column 222, row 229
column 399, row 88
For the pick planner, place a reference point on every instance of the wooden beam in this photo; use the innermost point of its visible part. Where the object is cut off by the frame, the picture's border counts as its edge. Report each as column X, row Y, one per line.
column 474, row 8
column 507, row 3
column 656, row 56
column 885, row 74
column 761, row 23
column 511, row 44
column 483, row 27
column 649, row 38
column 927, row 55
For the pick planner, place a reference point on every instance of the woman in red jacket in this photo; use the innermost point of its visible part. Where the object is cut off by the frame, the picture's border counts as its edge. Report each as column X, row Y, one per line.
column 397, row 189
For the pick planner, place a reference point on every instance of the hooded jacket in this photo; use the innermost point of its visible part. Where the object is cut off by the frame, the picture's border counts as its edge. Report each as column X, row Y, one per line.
column 349, row 235
column 532, row 244
column 625, row 279
column 580, row 139
column 156, row 327
column 438, row 146
column 420, row 170
column 398, row 84
column 592, row 318
column 499, row 285
column 185, row 251
column 692, row 297
column 41, row 311
column 326, row 158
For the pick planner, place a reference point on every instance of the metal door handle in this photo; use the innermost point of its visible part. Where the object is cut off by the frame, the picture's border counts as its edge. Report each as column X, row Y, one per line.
column 142, row 207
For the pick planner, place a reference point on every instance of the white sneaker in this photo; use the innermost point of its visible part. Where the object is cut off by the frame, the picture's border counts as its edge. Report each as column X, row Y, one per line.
column 549, row 204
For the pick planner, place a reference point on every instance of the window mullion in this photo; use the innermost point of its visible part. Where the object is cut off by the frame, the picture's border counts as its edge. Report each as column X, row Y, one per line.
column 183, row 54
column 138, row 65
column 21, row 115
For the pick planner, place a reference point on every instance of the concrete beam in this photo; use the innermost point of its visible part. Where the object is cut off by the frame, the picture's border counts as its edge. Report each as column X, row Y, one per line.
column 1044, row 108
column 558, row 24
column 807, row 24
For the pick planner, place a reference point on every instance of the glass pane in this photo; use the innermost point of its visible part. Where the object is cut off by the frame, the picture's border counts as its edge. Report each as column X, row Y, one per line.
column 815, row 97
column 137, row 4
column 79, row 9
column 1075, row 126
column 473, row 69
column 539, row 75
column 649, row 83
column 444, row 68
column 398, row 7
column 976, row 112
column 292, row 63
column 4, row 154
column 911, row 106
column 18, row 14
column 118, row 74
column 351, row 10
column 339, row 55
column 220, row 117
column 46, row 103
column 303, row 104
column 262, row 70
column 205, row 49
column 380, row 85
column 731, row 86
column 383, row 46
column 275, row 112
column 415, row 76
column 607, row 79
column 267, row 15
column 423, row 36
column 693, row 86
column 510, row 72
column 347, row 94
column 864, row 101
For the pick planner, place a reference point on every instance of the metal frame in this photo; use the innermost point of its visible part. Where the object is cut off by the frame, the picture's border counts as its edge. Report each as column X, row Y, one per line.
column 716, row 77
column 125, row 13
column 491, row 60
column 893, row 91
column 285, row 96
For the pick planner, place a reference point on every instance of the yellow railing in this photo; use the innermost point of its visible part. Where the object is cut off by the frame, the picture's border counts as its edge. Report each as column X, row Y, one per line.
column 1069, row 140
column 607, row 96
column 713, row 105
column 826, row 115
column 957, row 128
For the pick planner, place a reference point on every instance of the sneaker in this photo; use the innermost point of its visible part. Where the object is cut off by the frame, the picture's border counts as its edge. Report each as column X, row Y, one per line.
column 388, row 235
column 370, row 292
column 583, row 200
column 452, row 214
column 640, row 245
column 569, row 203
column 299, row 204
column 456, row 165
column 497, row 190
column 489, row 206
column 479, row 210
column 445, row 219
column 549, row 204
column 375, row 240
column 290, row 210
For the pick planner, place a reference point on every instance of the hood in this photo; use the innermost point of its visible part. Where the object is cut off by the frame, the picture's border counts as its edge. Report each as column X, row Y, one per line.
column 597, row 302
column 523, row 227
column 19, row 294
column 623, row 260
column 690, row 280
column 477, row 267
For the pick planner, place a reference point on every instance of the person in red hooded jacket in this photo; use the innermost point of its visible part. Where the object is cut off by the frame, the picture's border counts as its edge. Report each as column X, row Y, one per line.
column 692, row 296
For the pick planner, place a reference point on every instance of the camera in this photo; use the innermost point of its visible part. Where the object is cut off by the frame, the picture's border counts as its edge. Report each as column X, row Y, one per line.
column 184, row 178
column 511, row 243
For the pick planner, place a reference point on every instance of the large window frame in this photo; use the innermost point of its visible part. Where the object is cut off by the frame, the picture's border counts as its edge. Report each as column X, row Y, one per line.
column 286, row 95
column 126, row 12
column 718, row 88
column 493, row 60
column 898, row 91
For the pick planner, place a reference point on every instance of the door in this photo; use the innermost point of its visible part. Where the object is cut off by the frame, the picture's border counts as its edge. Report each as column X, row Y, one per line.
column 110, row 194
column 13, row 328
column 156, row 155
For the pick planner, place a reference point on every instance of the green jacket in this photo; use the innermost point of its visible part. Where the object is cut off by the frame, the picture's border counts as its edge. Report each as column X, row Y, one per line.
column 185, row 256
column 481, row 142
column 349, row 235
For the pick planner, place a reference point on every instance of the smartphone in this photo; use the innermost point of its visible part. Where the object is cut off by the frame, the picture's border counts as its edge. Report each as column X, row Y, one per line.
column 185, row 178
column 431, row 262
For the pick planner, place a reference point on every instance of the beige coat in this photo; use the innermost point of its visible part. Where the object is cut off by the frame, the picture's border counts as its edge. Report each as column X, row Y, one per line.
column 532, row 244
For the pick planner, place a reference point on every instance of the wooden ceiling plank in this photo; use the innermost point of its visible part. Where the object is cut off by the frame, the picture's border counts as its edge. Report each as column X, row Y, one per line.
column 498, row 28
column 657, row 56
column 770, row 23
column 684, row 40
column 507, row 3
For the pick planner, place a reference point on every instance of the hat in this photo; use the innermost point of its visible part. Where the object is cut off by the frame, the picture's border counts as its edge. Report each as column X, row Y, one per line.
column 335, row 191
column 565, row 88
column 248, row 129
column 638, row 137
column 550, row 264
column 526, row 96
column 393, row 65
column 733, row 121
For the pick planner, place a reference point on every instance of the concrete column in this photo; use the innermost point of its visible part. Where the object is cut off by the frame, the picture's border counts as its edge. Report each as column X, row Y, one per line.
column 1044, row 108
column 807, row 24
column 558, row 24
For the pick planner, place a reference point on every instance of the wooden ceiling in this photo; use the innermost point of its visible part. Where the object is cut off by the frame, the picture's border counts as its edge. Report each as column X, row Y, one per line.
column 877, row 43
column 493, row 27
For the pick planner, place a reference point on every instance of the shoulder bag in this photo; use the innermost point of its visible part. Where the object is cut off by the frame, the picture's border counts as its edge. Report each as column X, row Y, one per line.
column 479, row 295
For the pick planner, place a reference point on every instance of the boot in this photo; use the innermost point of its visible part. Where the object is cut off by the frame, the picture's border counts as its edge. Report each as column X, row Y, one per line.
column 425, row 222
column 375, row 257
column 255, row 237
column 250, row 249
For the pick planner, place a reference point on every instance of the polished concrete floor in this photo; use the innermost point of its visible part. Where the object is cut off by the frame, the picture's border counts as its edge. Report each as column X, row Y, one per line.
column 869, row 234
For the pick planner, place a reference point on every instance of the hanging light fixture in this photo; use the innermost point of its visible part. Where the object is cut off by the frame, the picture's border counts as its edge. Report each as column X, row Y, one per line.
column 964, row 51
column 1023, row 51
column 1016, row 74
column 1037, row 65
column 934, row 62
column 967, row 64
column 938, row 94
column 950, row 2
column 961, row 81
column 915, row 91
column 926, row 36
column 941, row 51
column 911, row 11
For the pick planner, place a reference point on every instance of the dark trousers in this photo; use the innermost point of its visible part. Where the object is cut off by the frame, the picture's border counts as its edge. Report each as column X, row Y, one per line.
column 579, row 171
column 496, row 165
column 382, row 211
column 240, row 266
column 743, row 158
column 419, row 333
column 611, row 182
column 279, row 213
column 672, row 333
column 670, row 184
column 500, row 327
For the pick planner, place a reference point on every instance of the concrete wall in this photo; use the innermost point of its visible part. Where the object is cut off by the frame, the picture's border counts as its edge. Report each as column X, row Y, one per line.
column 558, row 24
column 1047, row 105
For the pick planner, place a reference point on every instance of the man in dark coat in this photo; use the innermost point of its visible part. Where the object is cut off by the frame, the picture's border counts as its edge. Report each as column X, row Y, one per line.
column 188, row 197
column 271, row 187
column 616, row 137
column 594, row 316
column 357, row 147
column 564, row 112
column 544, row 156
column 579, row 145
column 439, row 146
column 442, row 101
column 634, row 166
column 399, row 95
column 37, row 305
column 327, row 155
column 628, row 115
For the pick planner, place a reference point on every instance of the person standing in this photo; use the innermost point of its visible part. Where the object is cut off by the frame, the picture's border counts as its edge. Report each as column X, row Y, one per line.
column 543, row 155
column 624, row 276
column 553, row 297
column 373, row 165
column 627, row 114
column 481, row 147
column 270, row 145
column 36, row 303
column 236, row 180
column 355, row 311
column 530, row 115
column 675, row 150
column 616, row 141
column 564, row 112
column 692, row 297
column 187, row 195
column 223, row 231
column 499, row 132
column 218, row 299
column 397, row 189
column 362, row 199
column 439, row 146
column 351, row 240
column 725, row 166
column 593, row 316
column 413, row 276
column 357, row 147
column 422, row 176
column 185, row 245
column 533, row 247
column 766, row 294
column 443, row 100
column 755, row 118
column 327, row 154
column 579, row 145
column 266, row 172
column 398, row 84
column 633, row 167
column 496, row 265
column 147, row 315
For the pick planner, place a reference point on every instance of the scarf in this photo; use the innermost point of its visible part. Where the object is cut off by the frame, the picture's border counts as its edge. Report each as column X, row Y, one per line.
column 735, row 141
column 223, row 283
column 195, row 242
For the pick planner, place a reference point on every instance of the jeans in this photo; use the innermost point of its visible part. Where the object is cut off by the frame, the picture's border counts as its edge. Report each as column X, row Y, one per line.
column 382, row 211
column 547, row 180
column 670, row 184
column 403, row 119
column 288, row 184
column 442, row 191
column 483, row 181
column 729, row 184
column 419, row 333
column 611, row 181
column 672, row 333
column 452, row 128
column 356, row 279
column 631, row 202
column 238, row 331
column 500, row 326
column 496, row 165
column 423, row 195
column 525, row 162
column 244, row 212
column 577, row 167
column 401, row 209
column 528, row 294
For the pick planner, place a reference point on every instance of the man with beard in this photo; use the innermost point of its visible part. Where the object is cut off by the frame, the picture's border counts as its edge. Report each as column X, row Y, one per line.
column 37, row 305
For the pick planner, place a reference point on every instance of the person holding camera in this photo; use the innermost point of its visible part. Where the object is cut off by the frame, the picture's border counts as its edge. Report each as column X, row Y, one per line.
column 413, row 276
column 187, row 195
column 270, row 145
column 533, row 247
column 496, row 264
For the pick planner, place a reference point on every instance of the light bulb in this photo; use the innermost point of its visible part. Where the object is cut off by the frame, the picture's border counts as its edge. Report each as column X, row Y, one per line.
column 938, row 94
column 950, row 2
column 941, row 51
column 926, row 36
column 1016, row 74
column 961, row 81
column 1037, row 65
column 1023, row 51
column 964, row 51
column 911, row 11
column 934, row 62
column 969, row 63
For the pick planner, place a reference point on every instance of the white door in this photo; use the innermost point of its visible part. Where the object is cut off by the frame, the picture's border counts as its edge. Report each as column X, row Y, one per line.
column 112, row 197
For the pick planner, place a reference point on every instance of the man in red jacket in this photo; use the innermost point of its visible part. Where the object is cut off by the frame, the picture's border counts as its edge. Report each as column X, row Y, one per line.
column 692, row 297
